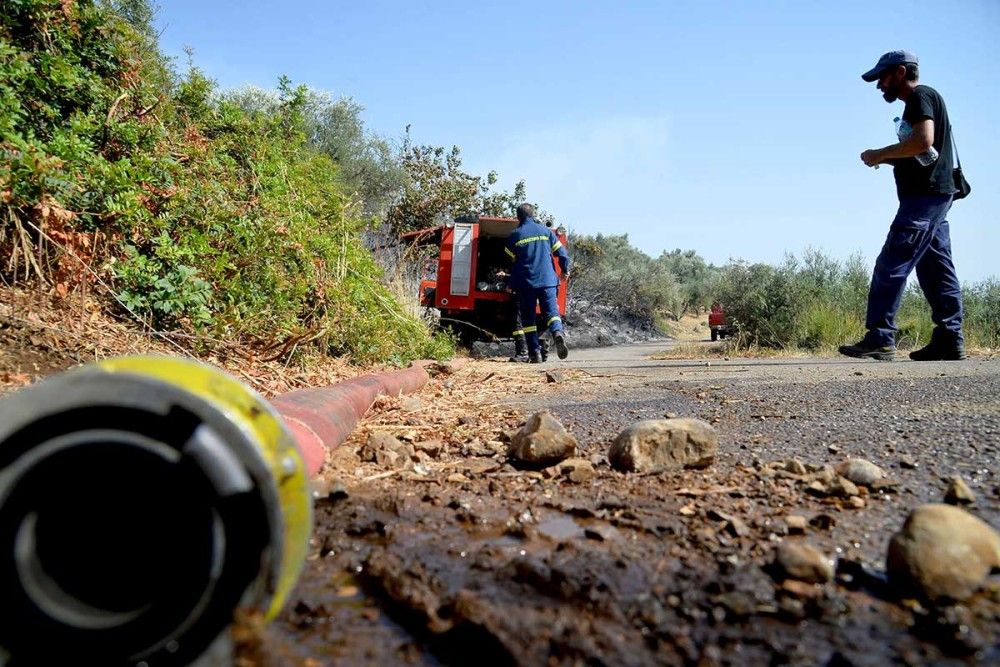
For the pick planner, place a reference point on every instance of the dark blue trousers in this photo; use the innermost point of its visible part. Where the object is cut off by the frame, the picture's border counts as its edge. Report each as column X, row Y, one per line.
column 527, row 299
column 918, row 239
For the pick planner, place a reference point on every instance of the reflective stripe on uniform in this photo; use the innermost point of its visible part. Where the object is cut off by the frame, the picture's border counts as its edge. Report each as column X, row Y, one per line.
column 553, row 319
column 531, row 239
column 519, row 332
column 509, row 252
column 556, row 246
column 530, row 329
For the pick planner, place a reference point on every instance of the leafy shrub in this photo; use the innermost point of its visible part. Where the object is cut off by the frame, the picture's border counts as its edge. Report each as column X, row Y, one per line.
column 696, row 280
column 172, row 294
column 764, row 302
column 437, row 189
column 370, row 169
column 982, row 314
column 203, row 214
column 818, row 303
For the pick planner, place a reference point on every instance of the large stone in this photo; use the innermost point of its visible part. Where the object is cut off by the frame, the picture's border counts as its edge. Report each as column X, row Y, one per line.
column 942, row 553
column 798, row 560
column 860, row 471
column 662, row 444
column 542, row 441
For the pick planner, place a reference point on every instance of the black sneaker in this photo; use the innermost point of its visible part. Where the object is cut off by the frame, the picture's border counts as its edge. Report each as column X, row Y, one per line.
column 560, row 339
column 940, row 351
column 534, row 358
column 519, row 358
column 865, row 350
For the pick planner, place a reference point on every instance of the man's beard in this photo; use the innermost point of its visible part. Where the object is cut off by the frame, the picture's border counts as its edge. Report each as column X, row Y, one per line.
column 891, row 94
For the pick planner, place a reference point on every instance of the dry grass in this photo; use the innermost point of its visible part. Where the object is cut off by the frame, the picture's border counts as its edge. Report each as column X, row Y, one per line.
column 41, row 334
column 730, row 349
column 695, row 351
column 690, row 328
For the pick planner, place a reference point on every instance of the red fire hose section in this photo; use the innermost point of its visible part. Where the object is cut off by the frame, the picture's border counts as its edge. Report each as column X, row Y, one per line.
column 321, row 419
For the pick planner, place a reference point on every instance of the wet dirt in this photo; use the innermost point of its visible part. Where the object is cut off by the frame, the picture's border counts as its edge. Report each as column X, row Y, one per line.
column 469, row 560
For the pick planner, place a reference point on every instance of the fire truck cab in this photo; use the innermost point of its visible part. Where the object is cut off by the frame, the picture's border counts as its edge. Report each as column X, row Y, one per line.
column 468, row 284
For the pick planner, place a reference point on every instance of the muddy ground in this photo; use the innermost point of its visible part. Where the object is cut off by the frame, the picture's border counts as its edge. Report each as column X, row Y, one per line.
column 464, row 559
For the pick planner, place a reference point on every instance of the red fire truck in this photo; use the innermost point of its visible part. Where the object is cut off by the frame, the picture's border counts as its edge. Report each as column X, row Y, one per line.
column 468, row 284
column 717, row 322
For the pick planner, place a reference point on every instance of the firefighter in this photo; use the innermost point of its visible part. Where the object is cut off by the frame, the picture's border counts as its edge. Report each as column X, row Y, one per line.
column 533, row 278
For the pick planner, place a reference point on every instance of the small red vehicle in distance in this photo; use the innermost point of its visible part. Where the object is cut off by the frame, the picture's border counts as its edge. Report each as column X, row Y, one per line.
column 717, row 322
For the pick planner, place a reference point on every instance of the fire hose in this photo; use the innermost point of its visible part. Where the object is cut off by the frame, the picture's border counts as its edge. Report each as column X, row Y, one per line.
column 144, row 500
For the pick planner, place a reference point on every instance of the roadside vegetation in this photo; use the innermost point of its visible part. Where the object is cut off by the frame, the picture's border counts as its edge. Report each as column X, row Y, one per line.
column 809, row 303
column 815, row 303
column 214, row 215
column 657, row 291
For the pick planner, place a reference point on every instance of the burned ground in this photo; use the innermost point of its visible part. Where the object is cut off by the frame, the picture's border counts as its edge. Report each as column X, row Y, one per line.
column 463, row 557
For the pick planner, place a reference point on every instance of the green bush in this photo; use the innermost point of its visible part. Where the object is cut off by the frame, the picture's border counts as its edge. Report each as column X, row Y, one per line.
column 695, row 278
column 764, row 302
column 817, row 303
column 172, row 293
column 204, row 215
column 982, row 314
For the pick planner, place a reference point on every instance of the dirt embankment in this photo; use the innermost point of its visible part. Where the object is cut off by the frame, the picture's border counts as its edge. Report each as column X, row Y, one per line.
column 41, row 335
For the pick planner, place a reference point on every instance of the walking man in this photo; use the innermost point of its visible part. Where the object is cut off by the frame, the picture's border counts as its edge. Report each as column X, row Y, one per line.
column 923, row 161
column 533, row 278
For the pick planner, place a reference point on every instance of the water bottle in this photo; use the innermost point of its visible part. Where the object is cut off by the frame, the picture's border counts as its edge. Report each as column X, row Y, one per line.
column 903, row 131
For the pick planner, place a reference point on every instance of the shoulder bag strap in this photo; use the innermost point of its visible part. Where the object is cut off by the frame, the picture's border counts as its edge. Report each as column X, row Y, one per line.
column 954, row 147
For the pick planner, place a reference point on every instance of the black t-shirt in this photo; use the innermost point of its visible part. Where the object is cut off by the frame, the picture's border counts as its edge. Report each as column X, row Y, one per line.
column 912, row 178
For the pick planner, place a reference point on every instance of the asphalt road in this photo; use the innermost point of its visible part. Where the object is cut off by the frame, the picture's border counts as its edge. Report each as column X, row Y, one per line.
column 921, row 421
column 481, row 562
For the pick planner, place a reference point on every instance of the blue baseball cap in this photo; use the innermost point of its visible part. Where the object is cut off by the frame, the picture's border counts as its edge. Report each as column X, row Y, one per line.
column 891, row 59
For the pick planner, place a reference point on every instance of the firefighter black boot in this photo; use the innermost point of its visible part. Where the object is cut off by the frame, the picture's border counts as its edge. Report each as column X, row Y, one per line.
column 520, row 349
column 560, row 339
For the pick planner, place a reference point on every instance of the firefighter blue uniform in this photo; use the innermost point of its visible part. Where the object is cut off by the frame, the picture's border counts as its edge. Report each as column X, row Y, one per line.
column 531, row 246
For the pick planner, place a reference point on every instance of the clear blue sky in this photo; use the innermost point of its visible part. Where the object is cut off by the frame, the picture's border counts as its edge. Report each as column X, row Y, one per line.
column 730, row 128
